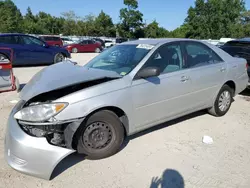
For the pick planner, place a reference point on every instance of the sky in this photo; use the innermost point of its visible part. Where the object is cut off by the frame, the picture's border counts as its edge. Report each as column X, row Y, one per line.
column 170, row 14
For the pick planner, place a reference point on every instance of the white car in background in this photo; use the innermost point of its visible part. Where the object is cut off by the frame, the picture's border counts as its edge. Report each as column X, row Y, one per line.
column 67, row 40
column 109, row 43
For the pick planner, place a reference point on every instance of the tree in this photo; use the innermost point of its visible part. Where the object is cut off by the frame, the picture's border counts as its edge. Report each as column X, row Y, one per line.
column 70, row 25
column 29, row 23
column 153, row 30
column 104, row 25
column 131, row 20
column 213, row 18
column 10, row 16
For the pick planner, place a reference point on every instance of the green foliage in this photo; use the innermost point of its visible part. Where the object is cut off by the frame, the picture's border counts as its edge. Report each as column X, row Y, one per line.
column 213, row 18
column 206, row 19
column 131, row 20
column 10, row 16
column 153, row 30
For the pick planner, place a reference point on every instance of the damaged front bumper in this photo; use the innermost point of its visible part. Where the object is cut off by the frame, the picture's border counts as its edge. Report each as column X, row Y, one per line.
column 31, row 155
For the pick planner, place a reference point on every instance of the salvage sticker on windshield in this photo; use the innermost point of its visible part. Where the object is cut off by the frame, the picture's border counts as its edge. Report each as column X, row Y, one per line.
column 145, row 46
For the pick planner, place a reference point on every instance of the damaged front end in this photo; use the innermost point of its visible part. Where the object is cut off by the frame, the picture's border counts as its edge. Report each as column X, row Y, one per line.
column 59, row 133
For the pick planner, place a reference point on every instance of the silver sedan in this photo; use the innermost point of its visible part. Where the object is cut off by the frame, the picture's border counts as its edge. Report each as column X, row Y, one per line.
column 130, row 87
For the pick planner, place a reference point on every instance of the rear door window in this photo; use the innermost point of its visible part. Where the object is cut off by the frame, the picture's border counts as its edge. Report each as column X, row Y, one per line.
column 199, row 54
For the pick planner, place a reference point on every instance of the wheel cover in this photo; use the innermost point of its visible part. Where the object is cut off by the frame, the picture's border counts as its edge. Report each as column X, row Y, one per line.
column 59, row 58
column 224, row 101
column 97, row 135
column 74, row 50
column 97, row 50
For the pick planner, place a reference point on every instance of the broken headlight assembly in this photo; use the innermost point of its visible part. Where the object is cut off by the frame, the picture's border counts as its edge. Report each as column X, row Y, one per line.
column 40, row 112
column 37, row 120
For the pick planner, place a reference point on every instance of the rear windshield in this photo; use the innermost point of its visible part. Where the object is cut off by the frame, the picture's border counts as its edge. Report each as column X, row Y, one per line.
column 51, row 38
column 238, row 43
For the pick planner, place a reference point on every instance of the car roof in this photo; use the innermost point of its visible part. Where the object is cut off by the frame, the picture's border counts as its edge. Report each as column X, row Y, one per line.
column 240, row 40
column 158, row 41
column 11, row 34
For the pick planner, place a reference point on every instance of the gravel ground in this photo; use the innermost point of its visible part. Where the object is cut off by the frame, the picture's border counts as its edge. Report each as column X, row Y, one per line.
column 168, row 155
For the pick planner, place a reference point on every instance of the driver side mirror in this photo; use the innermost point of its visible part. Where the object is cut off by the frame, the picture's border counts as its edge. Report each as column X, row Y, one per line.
column 148, row 72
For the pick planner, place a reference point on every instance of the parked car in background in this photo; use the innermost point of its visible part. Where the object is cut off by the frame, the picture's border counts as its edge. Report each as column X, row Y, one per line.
column 128, row 88
column 239, row 48
column 29, row 50
column 109, row 43
column 67, row 40
column 87, row 45
column 120, row 40
column 8, row 82
column 223, row 41
column 100, row 41
column 52, row 40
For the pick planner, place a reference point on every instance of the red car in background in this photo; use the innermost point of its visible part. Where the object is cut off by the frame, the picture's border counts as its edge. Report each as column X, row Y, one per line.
column 84, row 46
column 52, row 40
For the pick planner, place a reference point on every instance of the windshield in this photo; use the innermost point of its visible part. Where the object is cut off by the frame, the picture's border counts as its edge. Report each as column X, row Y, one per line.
column 121, row 58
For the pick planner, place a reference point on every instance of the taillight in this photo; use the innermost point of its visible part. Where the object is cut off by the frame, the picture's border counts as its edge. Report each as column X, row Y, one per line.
column 247, row 66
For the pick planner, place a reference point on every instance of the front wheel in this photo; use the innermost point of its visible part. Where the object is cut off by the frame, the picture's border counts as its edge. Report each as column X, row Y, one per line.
column 59, row 57
column 102, row 135
column 223, row 102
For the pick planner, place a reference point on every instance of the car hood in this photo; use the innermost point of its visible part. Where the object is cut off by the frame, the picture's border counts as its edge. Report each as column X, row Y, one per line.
column 60, row 76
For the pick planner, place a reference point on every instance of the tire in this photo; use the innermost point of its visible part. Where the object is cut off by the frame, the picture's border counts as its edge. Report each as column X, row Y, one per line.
column 217, row 109
column 59, row 57
column 101, row 136
column 74, row 50
column 97, row 50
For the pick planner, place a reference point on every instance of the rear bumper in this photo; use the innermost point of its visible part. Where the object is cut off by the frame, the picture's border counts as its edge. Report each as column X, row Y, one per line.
column 31, row 155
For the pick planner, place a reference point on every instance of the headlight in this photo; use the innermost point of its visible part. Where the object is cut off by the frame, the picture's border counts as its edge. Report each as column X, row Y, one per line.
column 41, row 112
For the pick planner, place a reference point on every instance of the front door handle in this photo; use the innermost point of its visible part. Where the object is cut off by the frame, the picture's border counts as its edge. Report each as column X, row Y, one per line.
column 222, row 69
column 184, row 78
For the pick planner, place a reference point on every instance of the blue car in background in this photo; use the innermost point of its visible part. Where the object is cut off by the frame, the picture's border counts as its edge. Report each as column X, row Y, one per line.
column 29, row 50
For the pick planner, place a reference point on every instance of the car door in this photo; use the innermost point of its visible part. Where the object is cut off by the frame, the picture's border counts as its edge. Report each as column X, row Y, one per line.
column 207, row 72
column 7, row 80
column 157, row 99
column 83, row 46
column 91, row 46
column 37, row 50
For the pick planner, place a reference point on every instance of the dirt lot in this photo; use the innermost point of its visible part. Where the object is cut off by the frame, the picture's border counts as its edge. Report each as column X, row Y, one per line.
column 172, row 154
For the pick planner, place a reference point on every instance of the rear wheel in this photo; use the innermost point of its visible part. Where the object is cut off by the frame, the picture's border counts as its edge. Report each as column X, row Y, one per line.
column 59, row 57
column 223, row 102
column 101, row 136
column 74, row 50
column 97, row 50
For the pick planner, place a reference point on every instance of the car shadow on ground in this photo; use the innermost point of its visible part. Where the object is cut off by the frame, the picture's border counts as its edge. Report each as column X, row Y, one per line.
column 21, row 86
column 74, row 158
column 66, row 163
column 30, row 66
column 245, row 93
column 163, row 125
column 169, row 179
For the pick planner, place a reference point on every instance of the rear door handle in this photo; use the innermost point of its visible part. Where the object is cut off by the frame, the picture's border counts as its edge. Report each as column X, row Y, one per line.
column 184, row 78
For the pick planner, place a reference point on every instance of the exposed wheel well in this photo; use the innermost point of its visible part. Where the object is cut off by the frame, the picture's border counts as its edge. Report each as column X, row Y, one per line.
column 232, row 85
column 1, row 53
column 64, row 54
column 119, row 112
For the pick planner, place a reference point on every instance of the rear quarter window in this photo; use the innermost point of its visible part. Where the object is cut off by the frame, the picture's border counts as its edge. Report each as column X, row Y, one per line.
column 9, row 39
